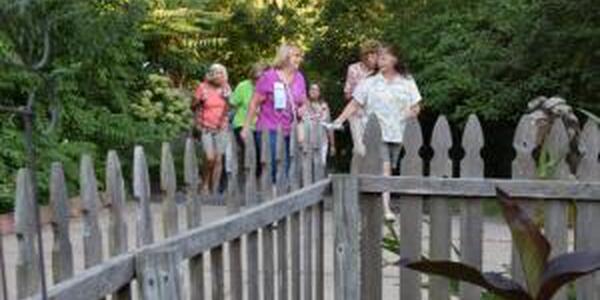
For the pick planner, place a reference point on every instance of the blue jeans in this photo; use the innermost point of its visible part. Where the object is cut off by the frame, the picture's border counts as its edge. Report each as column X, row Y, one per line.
column 273, row 152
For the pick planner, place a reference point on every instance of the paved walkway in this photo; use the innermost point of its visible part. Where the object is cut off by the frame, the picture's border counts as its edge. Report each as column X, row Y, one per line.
column 496, row 247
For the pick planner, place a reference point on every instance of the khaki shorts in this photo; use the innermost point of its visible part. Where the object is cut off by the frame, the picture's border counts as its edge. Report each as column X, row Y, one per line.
column 390, row 152
column 214, row 142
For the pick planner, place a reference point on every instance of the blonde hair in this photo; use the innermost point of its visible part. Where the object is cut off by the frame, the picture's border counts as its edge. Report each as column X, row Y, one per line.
column 283, row 54
column 369, row 46
column 214, row 70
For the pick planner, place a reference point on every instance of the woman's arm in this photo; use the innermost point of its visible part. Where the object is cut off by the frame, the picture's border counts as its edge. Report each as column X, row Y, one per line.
column 257, row 99
column 348, row 111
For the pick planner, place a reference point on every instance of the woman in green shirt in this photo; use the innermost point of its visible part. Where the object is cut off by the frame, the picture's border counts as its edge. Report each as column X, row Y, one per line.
column 239, row 101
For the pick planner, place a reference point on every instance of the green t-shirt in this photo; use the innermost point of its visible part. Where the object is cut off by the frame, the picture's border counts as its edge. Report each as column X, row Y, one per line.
column 240, row 100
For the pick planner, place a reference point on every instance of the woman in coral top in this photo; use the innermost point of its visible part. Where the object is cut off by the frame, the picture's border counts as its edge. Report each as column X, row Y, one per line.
column 211, row 119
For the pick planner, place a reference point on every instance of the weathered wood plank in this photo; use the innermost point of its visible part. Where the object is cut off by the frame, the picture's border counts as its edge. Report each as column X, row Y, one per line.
column 481, row 188
column 28, row 273
column 283, row 178
column 307, row 154
column 158, row 274
column 307, row 246
column 217, row 274
column 346, row 215
column 411, row 209
column 318, row 139
column 471, row 232
column 168, row 188
column 295, row 256
column 441, row 223
column 253, row 275
column 523, row 167
column 95, row 282
column 62, row 251
column 319, row 211
column 251, row 197
column 266, row 186
column 92, row 236
column 3, row 285
column 295, row 172
column 371, row 211
column 283, row 186
column 233, row 207
column 252, row 201
column 587, row 235
column 194, row 217
column 141, row 193
column 117, row 232
column 555, row 214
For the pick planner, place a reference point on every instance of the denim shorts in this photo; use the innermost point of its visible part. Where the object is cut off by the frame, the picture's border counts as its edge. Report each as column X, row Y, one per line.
column 390, row 152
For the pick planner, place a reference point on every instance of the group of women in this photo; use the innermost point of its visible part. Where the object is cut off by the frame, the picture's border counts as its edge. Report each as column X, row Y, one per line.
column 277, row 96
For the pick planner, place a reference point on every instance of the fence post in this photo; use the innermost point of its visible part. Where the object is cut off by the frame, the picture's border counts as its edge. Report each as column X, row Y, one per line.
column 92, row 236
column 411, row 209
column 158, row 275
column 346, row 215
column 141, row 193
column 555, row 215
column 587, row 235
column 371, row 217
column 252, row 200
column 28, row 275
column 117, row 233
column 233, row 207
column 283, row 183
column 62, row 251
column 523, row 167
column 471, row 234
column 440, row 215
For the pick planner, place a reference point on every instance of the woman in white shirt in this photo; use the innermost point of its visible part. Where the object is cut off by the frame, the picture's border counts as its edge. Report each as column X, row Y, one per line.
column 393, row 97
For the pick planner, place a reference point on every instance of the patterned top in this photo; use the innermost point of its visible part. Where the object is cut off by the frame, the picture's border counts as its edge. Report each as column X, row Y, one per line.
column 357, row 72
column 293, row 97
column 318, row 111
column 213, row 114
column 389, row 101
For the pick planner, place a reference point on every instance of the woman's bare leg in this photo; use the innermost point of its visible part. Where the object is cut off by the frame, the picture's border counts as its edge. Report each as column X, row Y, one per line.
column 388, row 214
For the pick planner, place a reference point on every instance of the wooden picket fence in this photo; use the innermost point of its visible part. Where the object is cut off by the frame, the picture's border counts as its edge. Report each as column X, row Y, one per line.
column 415, row 199
column 275, row 243
column 154, row 263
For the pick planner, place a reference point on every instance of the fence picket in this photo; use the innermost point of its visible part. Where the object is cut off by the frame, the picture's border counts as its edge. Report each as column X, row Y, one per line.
column 62, row 251
column 233, row 207
column 471, row 233
column 411, row 209
column 168, row 188
column 28, row 273
column 555, row 214
column 371, row 216
column 252, row 200
column 523, row 167
column 92, row 236
column 283, row 224
column 266, row 183
column 587, row 235
column 117, row 232
column 441, row 217
column 141, row 193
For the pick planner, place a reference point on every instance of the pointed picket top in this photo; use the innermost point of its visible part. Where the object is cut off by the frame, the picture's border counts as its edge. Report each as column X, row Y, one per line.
column 141, row 192
column 295, row 174
column 233, row 200
column 251, row 196
column 412, row 164
column 589, row 145
column 192, row 184
column 265, row 161
column 441, row 142
column 294, row 142
column 557, row 145
column 115, row 191
column 92, row 236
column 473, row 141
column 234, row 168
column 168, row 180
column 62, row 251
column 28, row 278
column 524, row 143
column 319, row 164
column 372, row 163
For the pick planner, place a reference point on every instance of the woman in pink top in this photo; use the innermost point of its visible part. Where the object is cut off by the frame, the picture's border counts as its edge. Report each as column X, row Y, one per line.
column 279, row 94
column 211, row 119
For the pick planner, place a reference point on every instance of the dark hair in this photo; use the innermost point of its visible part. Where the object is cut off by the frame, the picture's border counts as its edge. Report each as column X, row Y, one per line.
column 401, row 65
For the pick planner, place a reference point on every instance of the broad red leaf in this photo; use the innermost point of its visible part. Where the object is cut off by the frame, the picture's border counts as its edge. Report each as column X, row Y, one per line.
column 493, row 282
column 566, row 268
column 532, row 246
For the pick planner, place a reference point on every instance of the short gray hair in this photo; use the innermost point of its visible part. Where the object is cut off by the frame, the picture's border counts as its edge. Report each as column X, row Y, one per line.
column 215, row 69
